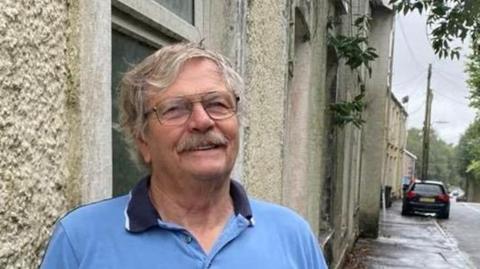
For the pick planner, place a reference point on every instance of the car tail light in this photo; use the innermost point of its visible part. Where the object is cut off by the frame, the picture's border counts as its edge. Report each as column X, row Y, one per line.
column 411, row 194
column 443, row 198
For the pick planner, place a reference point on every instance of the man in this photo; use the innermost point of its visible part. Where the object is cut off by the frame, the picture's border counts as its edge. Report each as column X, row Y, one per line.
column 179, row 109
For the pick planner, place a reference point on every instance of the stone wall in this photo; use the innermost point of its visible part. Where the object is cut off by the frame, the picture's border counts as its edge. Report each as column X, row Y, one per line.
column 375, row 129
column 266, row 63
column 36, row 182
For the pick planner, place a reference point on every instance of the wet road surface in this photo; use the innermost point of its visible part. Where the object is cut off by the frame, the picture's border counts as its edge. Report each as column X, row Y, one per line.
column 412, row 242
column 464, row 226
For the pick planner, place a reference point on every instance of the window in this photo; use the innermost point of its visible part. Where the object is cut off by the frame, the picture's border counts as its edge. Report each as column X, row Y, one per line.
column 126, row 51
column 183, row 8
column 138, row 29
column 428, row 189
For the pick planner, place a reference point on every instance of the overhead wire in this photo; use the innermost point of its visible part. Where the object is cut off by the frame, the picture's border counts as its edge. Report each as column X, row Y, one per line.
column 451, row 82
column 411, row 79
column 442, row 74
column 416, row 89
column 422, row 105
column 452, row 75
column 413, row 91
column 416, row 77
column 449, row 78
column 465, row 103
column 409, row 48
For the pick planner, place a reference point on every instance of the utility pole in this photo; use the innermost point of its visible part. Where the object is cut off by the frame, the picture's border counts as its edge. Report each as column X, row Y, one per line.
column 426, row 127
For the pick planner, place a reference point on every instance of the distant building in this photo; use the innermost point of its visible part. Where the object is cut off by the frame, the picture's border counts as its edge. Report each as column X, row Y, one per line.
column 396, row 144
column 409, row 161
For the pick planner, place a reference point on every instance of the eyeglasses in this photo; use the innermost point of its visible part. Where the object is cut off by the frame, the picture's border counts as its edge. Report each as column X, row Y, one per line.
column 177, row 110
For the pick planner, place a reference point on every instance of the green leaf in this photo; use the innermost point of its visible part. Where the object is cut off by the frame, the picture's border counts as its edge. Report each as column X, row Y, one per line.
column 419, row 6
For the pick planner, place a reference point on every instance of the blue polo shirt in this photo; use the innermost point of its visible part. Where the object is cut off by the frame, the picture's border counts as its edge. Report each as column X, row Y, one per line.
column 127, row 232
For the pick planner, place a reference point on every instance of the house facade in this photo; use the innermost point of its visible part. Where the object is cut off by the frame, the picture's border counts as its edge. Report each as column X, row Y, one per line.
column 396, row 147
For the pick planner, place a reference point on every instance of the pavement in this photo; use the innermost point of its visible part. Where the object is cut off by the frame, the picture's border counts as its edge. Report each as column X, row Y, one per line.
column 408, row 242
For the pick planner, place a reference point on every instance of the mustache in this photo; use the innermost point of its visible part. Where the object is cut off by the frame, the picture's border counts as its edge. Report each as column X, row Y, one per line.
column 196, row 140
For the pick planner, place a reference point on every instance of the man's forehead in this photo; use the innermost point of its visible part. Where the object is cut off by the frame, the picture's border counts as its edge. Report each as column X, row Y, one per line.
column 193, row 76
column 197, row 66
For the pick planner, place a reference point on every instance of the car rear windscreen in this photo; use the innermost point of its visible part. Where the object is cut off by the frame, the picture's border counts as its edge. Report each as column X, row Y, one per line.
column 428, row 189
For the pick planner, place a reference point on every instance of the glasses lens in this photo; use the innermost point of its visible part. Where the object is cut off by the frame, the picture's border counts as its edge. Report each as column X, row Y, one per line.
column 219, row 105
column 174, row 111
column 177, row 110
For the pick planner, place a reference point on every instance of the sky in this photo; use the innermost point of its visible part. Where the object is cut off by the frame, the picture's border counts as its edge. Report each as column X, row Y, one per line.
column 451, row 114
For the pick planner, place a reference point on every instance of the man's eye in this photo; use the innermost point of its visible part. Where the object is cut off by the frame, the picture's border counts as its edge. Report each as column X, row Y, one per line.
column 217, row 104
column 173, row 110
column 218, row 107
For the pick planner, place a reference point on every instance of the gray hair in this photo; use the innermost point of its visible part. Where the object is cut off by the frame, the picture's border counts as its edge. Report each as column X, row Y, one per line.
column 156, row 73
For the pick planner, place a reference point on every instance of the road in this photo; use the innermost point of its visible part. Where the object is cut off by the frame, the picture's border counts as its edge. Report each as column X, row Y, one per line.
column 463, row 226
column 422, row 241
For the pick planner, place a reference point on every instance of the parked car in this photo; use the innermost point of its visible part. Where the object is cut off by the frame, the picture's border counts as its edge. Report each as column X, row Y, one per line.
column 427, row 197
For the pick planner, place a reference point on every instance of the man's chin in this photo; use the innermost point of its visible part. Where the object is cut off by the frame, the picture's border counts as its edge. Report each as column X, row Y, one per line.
column 210, row 173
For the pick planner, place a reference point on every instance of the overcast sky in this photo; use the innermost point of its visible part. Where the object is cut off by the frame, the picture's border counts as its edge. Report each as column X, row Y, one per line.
column 451, row 114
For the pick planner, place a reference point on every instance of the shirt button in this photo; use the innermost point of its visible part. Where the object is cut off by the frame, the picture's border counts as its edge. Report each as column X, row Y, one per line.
column 188, row 239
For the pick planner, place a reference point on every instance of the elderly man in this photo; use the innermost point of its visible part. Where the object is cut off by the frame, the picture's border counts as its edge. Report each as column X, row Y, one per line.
column 179, row 111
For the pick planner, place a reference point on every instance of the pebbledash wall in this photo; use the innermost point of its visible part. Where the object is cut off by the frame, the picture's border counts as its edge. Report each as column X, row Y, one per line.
column 38, row 149
column 55, row 151
column 57, row 123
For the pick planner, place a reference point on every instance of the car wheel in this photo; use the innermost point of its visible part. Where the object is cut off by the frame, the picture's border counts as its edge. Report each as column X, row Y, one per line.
column 445, row 214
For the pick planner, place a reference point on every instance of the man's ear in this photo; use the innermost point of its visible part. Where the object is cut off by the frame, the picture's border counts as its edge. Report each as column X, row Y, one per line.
column 143, row 147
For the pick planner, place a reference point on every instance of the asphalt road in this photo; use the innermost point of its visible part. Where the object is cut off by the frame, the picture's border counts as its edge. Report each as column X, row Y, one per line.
column 464, row 227
column 421, row 241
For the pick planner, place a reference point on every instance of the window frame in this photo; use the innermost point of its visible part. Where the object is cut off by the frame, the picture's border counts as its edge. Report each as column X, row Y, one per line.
column 158, row 25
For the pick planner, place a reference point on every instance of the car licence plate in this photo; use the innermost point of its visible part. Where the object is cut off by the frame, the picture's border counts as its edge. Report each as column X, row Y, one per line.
column 427, row 200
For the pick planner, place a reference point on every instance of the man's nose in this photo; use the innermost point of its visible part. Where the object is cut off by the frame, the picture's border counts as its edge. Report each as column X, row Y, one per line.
column 199, row 120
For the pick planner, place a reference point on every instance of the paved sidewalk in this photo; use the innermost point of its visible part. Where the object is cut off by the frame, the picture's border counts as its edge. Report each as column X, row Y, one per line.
column 408, row 242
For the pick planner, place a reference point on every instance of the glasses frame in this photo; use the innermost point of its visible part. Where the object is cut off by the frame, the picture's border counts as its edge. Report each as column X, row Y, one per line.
column 193, row 98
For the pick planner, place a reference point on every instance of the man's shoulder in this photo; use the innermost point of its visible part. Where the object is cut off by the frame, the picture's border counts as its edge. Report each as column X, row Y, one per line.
column 104, row 211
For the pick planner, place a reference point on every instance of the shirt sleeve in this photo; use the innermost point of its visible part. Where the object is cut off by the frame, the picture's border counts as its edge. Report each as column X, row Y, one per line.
column 316, row 257
column 60, row 253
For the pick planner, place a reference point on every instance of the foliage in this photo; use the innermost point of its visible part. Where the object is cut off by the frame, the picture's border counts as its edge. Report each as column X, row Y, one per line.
column 470, row 142
column 473, row 71
column 442, row 162
column 356, row 52
column 354, row 49
column 346, row 112
column 449, row 20
column 469, row 151
column 474, row 168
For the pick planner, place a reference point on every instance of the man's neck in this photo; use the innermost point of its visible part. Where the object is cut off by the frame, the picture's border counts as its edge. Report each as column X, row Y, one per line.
column 203, row 207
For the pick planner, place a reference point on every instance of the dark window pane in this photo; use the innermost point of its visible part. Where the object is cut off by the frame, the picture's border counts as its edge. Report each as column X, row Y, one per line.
column 428, row 189
column 182, row 8
column 126, row 51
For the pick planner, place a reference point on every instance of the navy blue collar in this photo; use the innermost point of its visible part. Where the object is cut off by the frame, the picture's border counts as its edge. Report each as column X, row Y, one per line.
column 141, row 215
